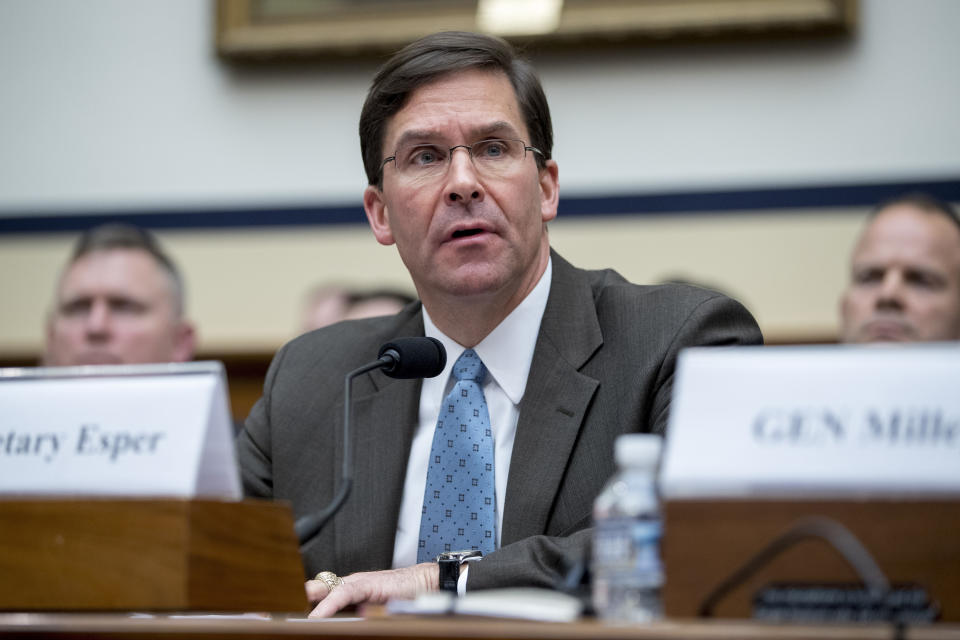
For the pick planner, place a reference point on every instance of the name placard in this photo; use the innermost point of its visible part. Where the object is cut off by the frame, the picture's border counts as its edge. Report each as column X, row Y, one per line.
column 824, row 420
column 144, row 430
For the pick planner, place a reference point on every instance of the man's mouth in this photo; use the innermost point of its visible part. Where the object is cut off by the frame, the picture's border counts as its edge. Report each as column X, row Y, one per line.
column 886, row 330
column 464, row 233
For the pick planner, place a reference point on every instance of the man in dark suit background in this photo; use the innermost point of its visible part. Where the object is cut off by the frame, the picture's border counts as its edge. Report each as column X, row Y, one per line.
column 456, row 140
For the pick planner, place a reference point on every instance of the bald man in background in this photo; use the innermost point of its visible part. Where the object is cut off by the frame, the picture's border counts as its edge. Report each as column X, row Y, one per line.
column 119, row 300
column 905, row 275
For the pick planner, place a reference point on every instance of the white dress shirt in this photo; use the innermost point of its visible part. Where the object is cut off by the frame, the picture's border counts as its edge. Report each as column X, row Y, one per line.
column 507, row 352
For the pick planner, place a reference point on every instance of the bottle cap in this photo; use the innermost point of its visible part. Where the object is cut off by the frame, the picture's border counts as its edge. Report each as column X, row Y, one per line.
column 638, row 450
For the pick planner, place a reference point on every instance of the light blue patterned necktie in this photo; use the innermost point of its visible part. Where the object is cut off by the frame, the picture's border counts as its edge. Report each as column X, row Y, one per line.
column 459, row 509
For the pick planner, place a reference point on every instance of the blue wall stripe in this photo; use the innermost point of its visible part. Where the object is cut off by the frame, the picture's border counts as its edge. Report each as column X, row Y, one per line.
column 718, row 202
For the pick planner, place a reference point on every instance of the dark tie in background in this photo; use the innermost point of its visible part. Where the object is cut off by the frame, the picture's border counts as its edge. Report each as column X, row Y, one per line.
column 459, row 509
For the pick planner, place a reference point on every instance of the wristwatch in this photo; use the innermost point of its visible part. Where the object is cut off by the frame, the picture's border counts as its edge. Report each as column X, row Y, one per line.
column 450, row 562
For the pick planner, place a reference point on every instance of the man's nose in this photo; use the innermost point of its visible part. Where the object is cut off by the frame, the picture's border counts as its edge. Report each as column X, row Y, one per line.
column 891, row 290
column 98, row 320
column 463, row 183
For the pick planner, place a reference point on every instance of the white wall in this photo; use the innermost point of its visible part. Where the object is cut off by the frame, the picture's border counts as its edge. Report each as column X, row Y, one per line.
column 122, row 104
column 880, row 106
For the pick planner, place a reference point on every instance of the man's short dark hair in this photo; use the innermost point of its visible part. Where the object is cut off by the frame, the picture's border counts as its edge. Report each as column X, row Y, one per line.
column 127, row 236
column 922, row 201
column 436, row 55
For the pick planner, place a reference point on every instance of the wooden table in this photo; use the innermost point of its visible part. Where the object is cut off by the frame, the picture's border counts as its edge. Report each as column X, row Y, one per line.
column 63, row 625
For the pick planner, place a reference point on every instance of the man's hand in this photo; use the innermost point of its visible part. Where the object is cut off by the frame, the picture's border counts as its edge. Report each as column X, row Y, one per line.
column 375, row 587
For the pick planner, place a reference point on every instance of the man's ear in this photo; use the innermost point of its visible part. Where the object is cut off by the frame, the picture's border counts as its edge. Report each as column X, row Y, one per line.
column 377, row 214
column 549, row 191
column 843, row 307
column 185, row 341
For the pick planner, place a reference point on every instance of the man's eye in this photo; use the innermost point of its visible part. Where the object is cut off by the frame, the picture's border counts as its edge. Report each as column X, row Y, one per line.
column 424, row 157
column 924, row 280
column 868, row 276
column 491, row 149
column 75, row 308
column 126, row 306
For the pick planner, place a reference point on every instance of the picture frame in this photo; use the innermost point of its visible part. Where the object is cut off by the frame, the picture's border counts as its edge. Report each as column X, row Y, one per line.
column 278, row 29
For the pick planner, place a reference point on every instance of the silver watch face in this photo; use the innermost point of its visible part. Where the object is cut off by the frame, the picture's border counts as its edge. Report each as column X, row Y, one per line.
column 458, row 556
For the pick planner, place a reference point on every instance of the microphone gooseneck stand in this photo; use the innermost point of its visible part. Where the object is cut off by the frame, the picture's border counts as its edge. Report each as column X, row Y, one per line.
column 309, row 526
column 400, row 358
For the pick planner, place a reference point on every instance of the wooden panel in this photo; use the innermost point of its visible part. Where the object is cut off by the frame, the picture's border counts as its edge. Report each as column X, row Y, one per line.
column 706, row 541
column 49, row 548
column 253, row 539
column 157, row 555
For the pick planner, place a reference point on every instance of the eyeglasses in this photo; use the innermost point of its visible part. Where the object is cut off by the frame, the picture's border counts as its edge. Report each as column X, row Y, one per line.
column 492, row 158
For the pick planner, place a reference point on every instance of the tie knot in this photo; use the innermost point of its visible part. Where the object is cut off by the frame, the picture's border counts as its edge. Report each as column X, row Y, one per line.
column 469, row 366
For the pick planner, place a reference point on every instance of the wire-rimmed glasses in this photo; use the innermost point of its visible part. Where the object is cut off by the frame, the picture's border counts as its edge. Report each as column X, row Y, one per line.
column 425, row 162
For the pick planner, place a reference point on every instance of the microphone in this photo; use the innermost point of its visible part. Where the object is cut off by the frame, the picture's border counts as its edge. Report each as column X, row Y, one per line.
column 413, row 357
column 399, row 358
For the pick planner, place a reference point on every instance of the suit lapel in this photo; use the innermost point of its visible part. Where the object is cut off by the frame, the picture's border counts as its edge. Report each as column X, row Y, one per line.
column 554, row 404
column 385, row 412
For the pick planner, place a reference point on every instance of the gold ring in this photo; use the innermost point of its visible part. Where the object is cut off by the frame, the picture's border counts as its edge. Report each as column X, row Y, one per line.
column 330, row 579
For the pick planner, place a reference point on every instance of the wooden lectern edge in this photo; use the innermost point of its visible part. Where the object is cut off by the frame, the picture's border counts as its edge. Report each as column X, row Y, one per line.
column 447, row 628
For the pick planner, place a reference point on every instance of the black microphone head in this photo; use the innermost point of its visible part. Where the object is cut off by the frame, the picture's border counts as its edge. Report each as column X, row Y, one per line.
column 414, row 357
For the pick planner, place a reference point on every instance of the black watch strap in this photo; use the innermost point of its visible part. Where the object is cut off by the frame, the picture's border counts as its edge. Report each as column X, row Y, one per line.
column 449, row 563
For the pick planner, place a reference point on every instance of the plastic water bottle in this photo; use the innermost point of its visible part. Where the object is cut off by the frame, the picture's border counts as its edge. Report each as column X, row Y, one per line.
column 627, row 572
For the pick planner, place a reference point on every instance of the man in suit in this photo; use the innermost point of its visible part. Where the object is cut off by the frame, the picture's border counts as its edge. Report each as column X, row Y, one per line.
column 456, row 140
column 905, row 275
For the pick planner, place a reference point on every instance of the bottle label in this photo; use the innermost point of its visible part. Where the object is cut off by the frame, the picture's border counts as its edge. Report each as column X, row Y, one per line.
column 625, row 545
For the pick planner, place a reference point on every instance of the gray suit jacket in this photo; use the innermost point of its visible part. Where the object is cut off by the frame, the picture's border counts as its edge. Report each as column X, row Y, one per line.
column 603, row 365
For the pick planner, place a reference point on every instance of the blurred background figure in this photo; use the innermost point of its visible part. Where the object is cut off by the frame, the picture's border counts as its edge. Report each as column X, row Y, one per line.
column 329, row 303
column 323, row 305
column 119, row 300
column 905, row 275
column 380, row 302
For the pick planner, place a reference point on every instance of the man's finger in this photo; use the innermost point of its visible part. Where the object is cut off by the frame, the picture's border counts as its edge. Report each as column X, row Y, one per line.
column 374, row 587
column 336, row 600
column 317, row 590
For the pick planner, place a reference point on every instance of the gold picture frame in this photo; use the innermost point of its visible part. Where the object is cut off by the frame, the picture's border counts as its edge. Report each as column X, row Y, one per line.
column 265, row 29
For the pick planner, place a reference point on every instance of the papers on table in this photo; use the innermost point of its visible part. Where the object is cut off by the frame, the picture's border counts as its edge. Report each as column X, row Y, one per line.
column 521, row 603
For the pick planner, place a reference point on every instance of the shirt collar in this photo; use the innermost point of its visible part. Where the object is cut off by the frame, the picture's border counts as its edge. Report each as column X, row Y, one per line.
column 507, row 351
